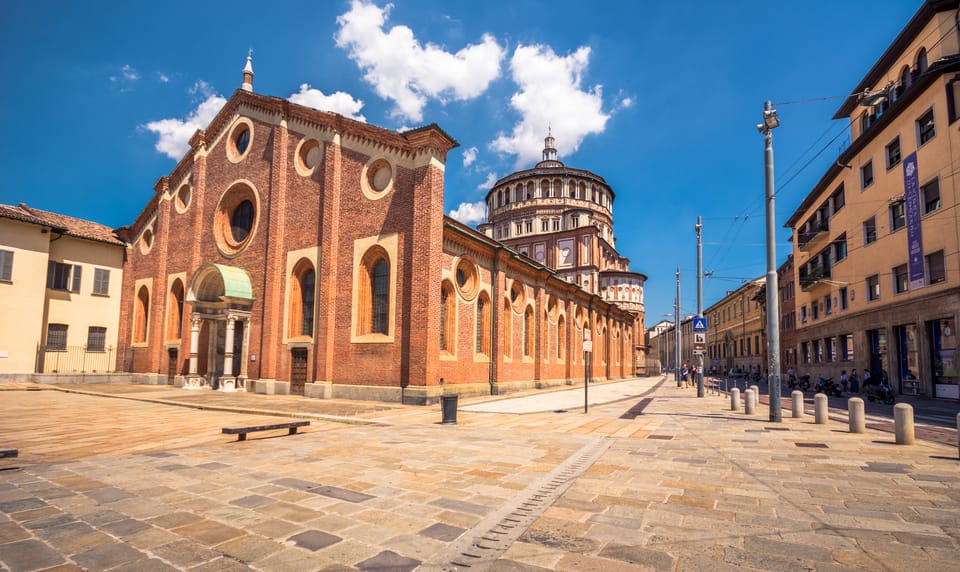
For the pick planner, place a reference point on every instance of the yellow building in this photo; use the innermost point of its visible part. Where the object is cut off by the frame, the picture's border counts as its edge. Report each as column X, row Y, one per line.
column 736, row 331
column 59, row 293
column 876, row 240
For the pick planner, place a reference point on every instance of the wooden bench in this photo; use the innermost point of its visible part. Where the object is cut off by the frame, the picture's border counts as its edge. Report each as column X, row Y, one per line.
column 241, row 432
column 9, row 453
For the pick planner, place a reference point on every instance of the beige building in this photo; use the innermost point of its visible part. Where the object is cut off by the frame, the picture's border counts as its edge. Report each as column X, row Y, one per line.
column 876, row 240
column 736, row 330
column 59, row 293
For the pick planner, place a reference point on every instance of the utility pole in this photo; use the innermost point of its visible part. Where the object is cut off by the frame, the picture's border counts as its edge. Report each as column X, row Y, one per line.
column 676, row 329
column 699, row 228
column 770, row 121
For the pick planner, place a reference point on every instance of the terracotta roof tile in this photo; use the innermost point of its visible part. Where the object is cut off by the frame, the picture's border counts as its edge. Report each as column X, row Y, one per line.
column 67, row 225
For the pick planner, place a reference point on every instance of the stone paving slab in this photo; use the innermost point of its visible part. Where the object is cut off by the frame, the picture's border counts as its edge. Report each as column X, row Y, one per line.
column 685, row 485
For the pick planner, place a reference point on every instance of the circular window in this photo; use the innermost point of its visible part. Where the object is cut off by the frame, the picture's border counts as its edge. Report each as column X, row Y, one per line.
column 146, row 241
column 308, row 156
column 377, row 179
column 240, row 140
column 183, row 198
column 236, row 219
column 518, row 297
column 467, row 278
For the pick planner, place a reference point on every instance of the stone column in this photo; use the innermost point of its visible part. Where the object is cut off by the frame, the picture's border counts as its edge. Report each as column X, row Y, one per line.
column 194, row 344
column 228, row 347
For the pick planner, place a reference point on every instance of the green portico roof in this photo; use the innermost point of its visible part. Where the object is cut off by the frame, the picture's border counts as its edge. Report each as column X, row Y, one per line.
column 236, row 282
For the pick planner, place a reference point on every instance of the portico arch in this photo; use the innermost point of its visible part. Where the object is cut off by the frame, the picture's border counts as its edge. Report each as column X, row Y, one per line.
column 221, row 296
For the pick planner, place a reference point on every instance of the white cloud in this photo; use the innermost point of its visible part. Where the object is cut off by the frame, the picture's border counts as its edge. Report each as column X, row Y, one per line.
column 337, row 102
column 551, row 95
column 129, row 73
column 487, row 183
column 402, row 69
column 470, row 213
column 164, row 78
column 174, row 134
column 469, row 156
column 202, row 88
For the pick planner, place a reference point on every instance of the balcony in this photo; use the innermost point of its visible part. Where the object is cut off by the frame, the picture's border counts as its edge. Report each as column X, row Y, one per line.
column 813, row 230
column 813, row 276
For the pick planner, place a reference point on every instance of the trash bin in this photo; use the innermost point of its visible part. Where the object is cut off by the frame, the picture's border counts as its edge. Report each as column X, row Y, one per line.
column 448, row 404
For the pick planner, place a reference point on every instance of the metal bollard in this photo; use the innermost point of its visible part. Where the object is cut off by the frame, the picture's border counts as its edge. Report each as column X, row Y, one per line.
column 856, row 417
column 820, row 408
column 749, row 402
column 735, row 399
column 958, row 435
column 903, row 423
column 797, row 397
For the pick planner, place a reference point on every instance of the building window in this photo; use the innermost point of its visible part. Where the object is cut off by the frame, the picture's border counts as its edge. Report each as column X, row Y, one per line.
column 838, row 199
column 527, row 332
column 101, row 281
column 62, row 276
column 926, row 129
column 900, row 279
column 96, row 339
column 870, row 230
column 374, row 293
column 519, row 228
column 556, row 224
column 529, row 226
column 561, row 337
column 840, row 248
column 846, row 347
column 57, row 337
column 241, row 220
column 447, row 317
column 893, row 153
column 936, row 271
column 805, row 351
column 6, row 265
column 817, row 352
column 827, row 305
column 873, row 287
column 844, row 297
column 141, row 313
column 303, row 282
column 898, row 216
column 483, row 325
column 866, row 175
column 803, row 314
column 175, row 311
column 931, row 196
column 814, row 310
column 830, row 348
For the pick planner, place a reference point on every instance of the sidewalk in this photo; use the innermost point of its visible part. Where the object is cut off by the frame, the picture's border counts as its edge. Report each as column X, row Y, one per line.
column 664, row 481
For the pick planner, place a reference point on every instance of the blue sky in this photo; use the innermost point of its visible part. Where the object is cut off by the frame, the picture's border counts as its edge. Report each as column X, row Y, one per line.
column 659, row 98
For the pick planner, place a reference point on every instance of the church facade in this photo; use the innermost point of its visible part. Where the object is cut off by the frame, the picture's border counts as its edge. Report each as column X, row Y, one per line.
column 295, row 250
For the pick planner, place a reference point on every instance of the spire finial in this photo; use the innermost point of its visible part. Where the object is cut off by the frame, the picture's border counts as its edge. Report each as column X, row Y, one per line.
column 248, row 72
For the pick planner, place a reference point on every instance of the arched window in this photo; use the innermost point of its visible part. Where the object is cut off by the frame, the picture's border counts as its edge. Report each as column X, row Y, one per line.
column 175, row 311
column 557, row 188
column 500, row 198
column 544, row 189
column 302, row 295
column 922, row 61
column 483, row 324
column 529, row 190
column 561, row 337
column 374, row 293
column 448, row 308
column 528, row 331
column 141, row 315
column 507, row 329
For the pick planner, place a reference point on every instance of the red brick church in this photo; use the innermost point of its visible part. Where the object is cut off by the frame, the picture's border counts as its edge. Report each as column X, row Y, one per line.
column 296, row 250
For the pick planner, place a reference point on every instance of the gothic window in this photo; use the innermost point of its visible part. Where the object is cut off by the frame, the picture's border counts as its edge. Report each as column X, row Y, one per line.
column 175, row 311
column 448, row 308
column 374, row 293
column 483, row 324
column 141, row 315
column 303, row 282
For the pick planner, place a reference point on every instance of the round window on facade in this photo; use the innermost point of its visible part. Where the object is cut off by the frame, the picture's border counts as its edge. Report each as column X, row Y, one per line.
column 377, row 179
column 146, row 241
column 308, row 156
column 236, row 219
column 467, row 279
column 182, row 201
column 240, row 140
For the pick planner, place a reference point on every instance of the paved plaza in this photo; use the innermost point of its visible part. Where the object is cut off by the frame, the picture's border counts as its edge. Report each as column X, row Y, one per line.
column 140, row 478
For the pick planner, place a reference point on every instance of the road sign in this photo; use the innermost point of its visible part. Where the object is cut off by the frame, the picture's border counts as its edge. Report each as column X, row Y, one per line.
column 588, row 345
column 699, row 352
column 699, row 337
column 699, row 324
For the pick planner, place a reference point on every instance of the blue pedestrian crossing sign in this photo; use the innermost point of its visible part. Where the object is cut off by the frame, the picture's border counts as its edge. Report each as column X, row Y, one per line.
column 699, row 324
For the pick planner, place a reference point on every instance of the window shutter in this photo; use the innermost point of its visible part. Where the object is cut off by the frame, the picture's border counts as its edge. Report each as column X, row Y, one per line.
column 77, row 270
column 51, row 269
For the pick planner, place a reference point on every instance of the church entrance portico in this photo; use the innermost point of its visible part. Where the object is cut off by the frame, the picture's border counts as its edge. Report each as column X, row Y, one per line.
column 222, row 298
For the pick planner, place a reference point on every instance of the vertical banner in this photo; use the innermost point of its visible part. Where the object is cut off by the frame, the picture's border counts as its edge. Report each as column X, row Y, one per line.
column 914, row 238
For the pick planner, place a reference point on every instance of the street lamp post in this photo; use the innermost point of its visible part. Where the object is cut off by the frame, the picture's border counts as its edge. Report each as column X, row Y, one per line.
column 770, row 122
column 699, row 228
column 676, row 329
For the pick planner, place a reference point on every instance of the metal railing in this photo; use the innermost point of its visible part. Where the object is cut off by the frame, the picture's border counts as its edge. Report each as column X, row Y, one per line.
column 80, row 359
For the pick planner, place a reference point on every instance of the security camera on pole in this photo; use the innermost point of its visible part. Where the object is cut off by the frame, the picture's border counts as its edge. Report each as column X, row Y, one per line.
column 771, row 121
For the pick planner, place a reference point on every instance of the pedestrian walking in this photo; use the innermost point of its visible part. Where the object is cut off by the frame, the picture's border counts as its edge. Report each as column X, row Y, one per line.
column 844, row 381
column 854, row 382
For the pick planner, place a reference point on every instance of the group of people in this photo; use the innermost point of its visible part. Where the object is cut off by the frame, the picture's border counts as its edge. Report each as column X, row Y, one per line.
column 849, row 383
column 688, row 376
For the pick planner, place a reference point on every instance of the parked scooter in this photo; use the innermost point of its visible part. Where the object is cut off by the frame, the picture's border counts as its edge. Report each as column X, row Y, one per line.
column 828, row 387
column 881, row 392
column 802, row 383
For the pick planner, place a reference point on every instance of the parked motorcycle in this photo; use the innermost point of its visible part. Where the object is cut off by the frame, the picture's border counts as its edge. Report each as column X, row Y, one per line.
column 882, row 392
column 828, row 387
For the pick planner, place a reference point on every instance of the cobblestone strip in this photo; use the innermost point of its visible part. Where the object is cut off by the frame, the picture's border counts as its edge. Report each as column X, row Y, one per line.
column 478, row 548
